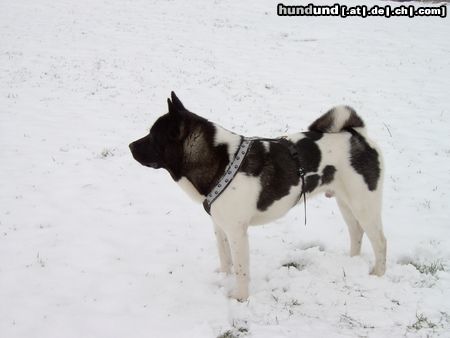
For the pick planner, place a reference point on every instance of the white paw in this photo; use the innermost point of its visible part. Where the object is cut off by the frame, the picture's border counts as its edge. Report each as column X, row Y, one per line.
column 239, row 295
column 223, row 270
column 378, row 271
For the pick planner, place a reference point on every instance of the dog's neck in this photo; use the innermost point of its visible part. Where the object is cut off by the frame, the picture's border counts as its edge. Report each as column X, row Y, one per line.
column 207, row 151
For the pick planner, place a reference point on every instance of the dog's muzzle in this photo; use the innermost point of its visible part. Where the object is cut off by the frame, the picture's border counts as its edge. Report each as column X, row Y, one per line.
column 135, row 152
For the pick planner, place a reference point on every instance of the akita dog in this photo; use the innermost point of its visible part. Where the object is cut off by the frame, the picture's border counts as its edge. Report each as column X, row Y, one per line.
column 245, row 181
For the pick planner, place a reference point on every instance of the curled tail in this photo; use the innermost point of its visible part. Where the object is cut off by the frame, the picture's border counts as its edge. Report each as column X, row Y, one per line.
column 336, row 120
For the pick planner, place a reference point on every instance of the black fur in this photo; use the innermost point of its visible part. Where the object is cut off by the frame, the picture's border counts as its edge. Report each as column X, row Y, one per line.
column 167, row 146
column 364, row 159
column 354, row 121
column 311, row 182
column 313, row 135
column 277, row 169
column 328, row 174
column 323, row 123
column 309, row 154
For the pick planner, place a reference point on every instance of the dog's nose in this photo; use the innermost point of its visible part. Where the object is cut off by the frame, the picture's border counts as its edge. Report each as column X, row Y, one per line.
column 132, row 146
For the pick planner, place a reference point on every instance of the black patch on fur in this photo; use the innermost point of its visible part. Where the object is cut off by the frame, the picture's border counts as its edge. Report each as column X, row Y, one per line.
column 328, row 174
column 309, row 155
column 313, row 135
column 277, row 169
column 364, row 159
column 311, row 182
column 254, row 161
column 323, row 123
column 354, row 121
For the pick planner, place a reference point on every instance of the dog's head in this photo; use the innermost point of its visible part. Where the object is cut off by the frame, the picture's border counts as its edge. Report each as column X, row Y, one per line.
column 163, row 146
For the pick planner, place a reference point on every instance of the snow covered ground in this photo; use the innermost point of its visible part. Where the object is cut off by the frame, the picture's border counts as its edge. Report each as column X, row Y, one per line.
column 94, row 245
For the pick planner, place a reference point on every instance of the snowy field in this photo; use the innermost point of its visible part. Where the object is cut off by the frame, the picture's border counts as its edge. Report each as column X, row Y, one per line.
column 94, row 245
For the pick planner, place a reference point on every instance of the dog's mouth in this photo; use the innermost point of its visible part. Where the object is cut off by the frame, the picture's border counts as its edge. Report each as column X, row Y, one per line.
column 153, row 165
column 143, row 161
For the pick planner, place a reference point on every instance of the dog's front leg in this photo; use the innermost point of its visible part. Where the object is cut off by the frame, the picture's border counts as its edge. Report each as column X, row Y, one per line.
column 238, row 240
column 224, row 250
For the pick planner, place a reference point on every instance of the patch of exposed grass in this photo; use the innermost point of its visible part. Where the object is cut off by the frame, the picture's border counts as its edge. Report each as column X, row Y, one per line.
column 40, row 260
column 291, row 265
column 227, row 334
column 428, row 268
column 296, row 265
column 234, row 333
column 422, row 322
column 106, row 153
column 352, row 322
column 294, row 302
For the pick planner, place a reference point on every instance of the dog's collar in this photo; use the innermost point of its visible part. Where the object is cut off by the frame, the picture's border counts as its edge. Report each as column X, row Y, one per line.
column 230, row 173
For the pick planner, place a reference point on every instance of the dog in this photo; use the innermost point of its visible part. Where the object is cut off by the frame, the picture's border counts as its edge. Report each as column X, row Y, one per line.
column 334, row 156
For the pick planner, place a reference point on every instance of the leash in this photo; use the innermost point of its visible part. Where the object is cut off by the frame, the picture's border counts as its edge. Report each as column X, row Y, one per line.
column 235, row 164
column 301, row 172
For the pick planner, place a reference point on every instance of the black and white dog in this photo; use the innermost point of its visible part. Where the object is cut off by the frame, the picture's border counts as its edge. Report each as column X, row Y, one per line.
column 266, row 177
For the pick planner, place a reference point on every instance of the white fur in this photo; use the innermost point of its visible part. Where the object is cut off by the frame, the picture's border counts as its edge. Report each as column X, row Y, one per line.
column 224, row 136
column 340, row 115
column 189, row 189
column 236, row 207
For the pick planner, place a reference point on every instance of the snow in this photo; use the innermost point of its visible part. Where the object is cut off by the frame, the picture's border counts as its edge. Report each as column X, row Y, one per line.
column 94, row 245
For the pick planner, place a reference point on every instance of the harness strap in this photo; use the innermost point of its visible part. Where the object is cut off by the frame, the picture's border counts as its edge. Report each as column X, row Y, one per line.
column 230, row 173
column 301, row 172
column 234, row 166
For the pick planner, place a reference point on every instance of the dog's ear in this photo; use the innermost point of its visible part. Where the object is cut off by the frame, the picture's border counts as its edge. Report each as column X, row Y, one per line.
column 170, row 106
column 176, row 102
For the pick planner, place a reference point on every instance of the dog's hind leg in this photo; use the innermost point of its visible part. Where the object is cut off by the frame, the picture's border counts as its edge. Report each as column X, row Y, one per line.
column 224, row 250
column 354, row 229
column 375, row 233
column 369, row 218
